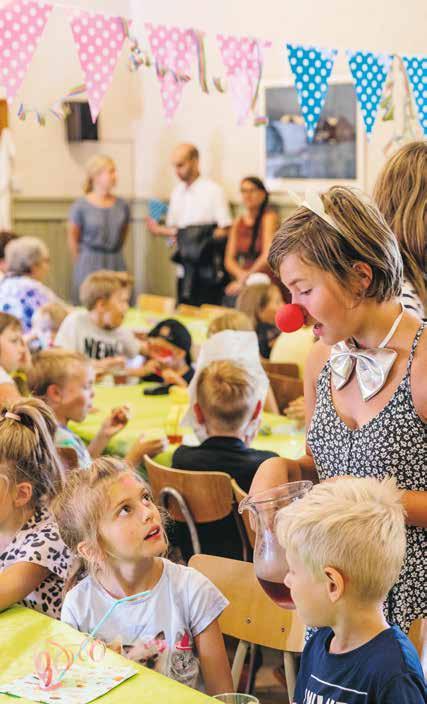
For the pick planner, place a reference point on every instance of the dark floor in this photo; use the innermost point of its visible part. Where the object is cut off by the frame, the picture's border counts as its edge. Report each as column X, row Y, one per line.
column 268, row 689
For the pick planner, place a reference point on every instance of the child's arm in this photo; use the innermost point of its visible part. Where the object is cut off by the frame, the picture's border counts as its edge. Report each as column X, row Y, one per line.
column 214, row 660
column 112, row 425
column 19, row 580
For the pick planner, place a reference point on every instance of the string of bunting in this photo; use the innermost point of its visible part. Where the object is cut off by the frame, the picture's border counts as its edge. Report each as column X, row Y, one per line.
column 99, row 39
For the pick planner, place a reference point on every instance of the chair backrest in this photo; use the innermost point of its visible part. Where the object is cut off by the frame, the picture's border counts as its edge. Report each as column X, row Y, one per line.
column 68, row 457
column 157, row 304
column 239, row 495
column 208, row 495
column 283, row 368
column 192, row 311
column 213, row 311
column 251, row 616
column 285, row 389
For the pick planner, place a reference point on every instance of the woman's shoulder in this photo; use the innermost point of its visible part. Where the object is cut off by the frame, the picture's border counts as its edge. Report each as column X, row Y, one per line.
column 317, row 358
column 418, row 371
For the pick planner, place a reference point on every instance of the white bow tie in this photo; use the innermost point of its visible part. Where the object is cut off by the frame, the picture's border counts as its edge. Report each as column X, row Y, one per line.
column 372, row 365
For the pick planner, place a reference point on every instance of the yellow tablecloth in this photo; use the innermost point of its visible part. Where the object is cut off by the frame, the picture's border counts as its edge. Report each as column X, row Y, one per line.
column 149, row 413
column 145, row 320
column 22, row 631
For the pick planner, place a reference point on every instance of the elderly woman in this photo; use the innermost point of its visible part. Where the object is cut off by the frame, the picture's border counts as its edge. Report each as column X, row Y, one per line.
column 21, row 290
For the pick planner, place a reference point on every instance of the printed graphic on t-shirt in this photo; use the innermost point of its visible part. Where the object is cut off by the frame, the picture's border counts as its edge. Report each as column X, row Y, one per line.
column 180, row 663
column 98, row 349
column 322, row 692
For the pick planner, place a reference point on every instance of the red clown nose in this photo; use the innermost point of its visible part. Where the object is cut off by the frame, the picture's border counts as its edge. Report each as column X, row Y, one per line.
column 289, row 317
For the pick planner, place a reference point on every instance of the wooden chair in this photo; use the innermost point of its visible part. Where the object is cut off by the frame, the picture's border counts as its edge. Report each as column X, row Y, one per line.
column 251, row 616
column 213, row 311
column 282, row 368
column 157, row 304
column 194, row 497
column 285, row 389
column 239, row 495
column 191, row 311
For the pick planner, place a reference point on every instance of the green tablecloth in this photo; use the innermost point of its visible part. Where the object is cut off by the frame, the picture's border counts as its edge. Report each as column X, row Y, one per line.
column 22, row 631
column 149, row 414
column 145, row 320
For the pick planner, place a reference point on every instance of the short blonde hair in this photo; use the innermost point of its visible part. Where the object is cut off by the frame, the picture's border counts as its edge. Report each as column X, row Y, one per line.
column 226, row 393
column 362, row 235
column 253, row 299
column 356, row 525
column 53, row 366
column 23, row 253
column 401, row 194
column 102, row 284
column 232, row 320
column 94, row 166
column 56, row 312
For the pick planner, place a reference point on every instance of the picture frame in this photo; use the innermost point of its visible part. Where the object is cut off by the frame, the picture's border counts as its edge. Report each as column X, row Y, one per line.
column 337, row 152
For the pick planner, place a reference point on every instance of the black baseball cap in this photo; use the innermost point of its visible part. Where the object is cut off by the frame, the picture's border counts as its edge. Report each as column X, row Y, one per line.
column 174, row 332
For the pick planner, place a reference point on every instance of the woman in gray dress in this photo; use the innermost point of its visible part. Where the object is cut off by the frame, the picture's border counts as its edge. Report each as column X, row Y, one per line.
column 98, row 223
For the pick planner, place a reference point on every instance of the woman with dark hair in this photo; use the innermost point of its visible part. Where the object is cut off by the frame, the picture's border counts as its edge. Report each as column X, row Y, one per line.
column 250, row 237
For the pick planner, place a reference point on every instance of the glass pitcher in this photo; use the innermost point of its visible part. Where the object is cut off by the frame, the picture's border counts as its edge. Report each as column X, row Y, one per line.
column 270, row 563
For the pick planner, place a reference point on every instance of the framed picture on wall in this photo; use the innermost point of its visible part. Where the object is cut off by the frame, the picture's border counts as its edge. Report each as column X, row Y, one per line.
column 336, row 154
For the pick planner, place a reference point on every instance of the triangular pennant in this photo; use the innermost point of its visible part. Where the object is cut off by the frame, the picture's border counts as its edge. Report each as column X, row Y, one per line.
column 369, row 73
column 312, row 68
column 243, row 61
column 416, row 70
column 173, row 49
column 21, row 26
column 99, row 40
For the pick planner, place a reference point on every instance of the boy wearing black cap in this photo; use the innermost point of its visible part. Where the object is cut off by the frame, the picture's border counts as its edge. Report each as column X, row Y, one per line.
column 169, row 352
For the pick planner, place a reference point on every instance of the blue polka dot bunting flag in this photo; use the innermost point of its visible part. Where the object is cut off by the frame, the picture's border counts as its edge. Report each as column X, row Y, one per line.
column 416, row 70
column 157, row 209
column 369, row 73
column 311, row 67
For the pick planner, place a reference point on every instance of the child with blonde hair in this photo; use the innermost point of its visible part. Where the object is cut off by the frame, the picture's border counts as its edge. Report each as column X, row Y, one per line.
column 64, row 380
column 15, row 359
column 260, row 302
column 34, row 561
column 401, row 194
column 364, row 382
column 345, row 545
column 46, row 322
column 107, row 516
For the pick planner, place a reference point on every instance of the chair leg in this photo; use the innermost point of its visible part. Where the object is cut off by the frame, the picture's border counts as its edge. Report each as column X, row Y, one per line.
column 238, row 662
column 290, row 665
column 242, row 534
column 163, row 501
column 252, row 655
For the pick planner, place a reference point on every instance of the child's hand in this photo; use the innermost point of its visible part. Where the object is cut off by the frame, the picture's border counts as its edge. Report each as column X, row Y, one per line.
column 105, row 365
column 152, row 366
column 296, row 410
column 116, row 421
column 171, row 377
column 142, row 446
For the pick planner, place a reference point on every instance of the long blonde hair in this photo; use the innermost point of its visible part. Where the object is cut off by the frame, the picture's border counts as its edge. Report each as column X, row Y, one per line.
column 96, row 163
column 361, row 235
column 27, row 448
column 401, row 194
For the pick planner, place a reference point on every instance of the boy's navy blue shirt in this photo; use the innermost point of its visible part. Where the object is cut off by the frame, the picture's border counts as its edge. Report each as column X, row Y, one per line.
column 386, row 670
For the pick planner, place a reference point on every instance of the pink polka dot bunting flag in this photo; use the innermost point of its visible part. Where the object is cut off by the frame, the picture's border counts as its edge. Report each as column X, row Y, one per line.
column 243, row 61
column 21, row 26
column 369, row 73
column 173, row 50
column 99, row 40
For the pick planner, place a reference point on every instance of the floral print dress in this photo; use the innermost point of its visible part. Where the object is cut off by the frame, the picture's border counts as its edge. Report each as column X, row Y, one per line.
column 393, row 443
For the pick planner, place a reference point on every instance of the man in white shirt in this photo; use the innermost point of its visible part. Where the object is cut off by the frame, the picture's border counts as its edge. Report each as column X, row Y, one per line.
column 194, row 201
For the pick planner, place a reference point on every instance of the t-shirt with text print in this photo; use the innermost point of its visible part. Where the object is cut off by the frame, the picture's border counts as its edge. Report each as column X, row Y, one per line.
column 79, row 333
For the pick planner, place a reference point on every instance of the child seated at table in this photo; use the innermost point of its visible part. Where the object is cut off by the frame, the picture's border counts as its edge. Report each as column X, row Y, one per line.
column 168, row 348
column 64, row 380
column 15, row 358
column 345, row 544
column 34, row 561
column 107, row 516
column 260, row 302
column 97, row 332
column 45, row 324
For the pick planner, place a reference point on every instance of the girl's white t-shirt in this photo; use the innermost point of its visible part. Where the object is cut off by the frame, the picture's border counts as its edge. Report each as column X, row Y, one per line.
column 157, row 630
column 5, row 378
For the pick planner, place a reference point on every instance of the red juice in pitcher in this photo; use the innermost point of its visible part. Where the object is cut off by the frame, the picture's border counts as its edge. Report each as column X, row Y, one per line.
column 278, row 592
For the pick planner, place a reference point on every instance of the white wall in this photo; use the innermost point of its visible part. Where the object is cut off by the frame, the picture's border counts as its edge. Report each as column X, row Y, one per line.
column 228, row 151
column 133, row 128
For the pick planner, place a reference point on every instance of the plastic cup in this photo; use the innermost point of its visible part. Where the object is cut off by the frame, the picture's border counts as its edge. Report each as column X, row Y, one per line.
column 236, row 698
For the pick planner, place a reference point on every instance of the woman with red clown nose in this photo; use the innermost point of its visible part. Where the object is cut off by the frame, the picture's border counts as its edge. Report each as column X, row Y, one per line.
column 365, row 384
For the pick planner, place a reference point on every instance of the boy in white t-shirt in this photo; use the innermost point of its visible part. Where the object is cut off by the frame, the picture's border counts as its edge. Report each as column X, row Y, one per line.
column 97, row 332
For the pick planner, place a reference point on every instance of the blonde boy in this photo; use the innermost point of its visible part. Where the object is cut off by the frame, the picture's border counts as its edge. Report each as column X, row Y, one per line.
column 345, row 544
column 97, row 332
column 64, row 380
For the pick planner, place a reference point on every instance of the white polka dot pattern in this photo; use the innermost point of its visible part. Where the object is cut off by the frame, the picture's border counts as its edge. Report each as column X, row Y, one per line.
column 416, row 70
column 311, row 68
column 99, row 40
column 369, row 73
column 242, row 58
column 21, row 26
column 173, row 49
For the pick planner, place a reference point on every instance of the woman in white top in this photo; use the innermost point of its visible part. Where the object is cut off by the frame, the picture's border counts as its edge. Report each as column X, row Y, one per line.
column 401, row 195
column 14, row 356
